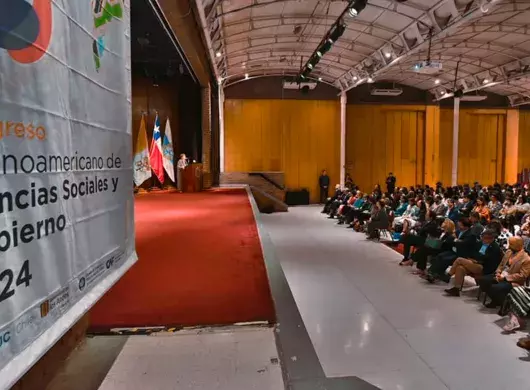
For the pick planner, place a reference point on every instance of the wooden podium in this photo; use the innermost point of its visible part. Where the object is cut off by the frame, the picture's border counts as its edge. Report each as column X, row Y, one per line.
column 192, row 178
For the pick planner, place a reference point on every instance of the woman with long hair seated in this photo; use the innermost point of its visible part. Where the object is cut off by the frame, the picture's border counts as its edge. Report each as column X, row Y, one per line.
column 482, row 209
column 434, row 246
column 430, row 228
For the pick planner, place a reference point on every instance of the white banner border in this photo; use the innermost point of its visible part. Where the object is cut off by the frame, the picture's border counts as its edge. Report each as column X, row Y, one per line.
column 20, row 364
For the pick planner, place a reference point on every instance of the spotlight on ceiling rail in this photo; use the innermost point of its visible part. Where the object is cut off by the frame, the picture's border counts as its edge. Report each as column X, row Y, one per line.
column 334, row 34
column 357, row 7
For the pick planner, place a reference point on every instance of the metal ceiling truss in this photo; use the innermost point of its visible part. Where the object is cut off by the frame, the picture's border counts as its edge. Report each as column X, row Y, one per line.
column 389, row 53
column 269, row 72
column 415, row 36
column 468, row 83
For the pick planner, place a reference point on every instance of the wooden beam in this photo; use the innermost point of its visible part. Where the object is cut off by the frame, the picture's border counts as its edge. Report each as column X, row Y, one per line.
column 181, row 18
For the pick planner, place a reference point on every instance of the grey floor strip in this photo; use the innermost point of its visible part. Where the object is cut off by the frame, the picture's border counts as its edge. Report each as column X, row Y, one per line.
column 301, row 367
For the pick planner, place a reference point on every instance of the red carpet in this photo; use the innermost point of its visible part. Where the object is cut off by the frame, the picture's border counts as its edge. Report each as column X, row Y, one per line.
column 200, row 263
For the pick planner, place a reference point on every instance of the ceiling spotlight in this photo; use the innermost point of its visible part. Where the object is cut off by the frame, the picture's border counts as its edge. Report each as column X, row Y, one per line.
column 218, row 54
column 487, row 5
column 388, row 54
column 246, row 76
column 486, row 81
column 357, row 7
column 437, row 81
column 320, row 79
column 354, row 78
column 370, row 80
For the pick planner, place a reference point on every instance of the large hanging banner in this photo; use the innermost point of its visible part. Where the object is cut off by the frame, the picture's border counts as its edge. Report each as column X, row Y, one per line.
column 66, row 206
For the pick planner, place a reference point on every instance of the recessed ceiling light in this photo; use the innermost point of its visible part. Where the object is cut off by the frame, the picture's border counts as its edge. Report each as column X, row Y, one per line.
column 246, row 75
column 320, row 79
column 437, row 81
column 370, row 80
column 218, row 54
column 486, row 81
column 388, row 54
column 354, row 78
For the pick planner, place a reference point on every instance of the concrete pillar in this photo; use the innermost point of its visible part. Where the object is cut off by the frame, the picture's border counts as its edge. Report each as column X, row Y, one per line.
column 432, row 145
column 511, row 154
column 221, row 129
column 206, row 136
column 456, row 131
column 343, row 101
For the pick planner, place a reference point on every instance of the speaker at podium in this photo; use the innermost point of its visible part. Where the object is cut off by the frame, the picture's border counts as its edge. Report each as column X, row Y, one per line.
column 192, row 178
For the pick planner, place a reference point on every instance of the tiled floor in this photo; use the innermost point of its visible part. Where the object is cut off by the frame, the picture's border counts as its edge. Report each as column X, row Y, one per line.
column 222, row 359
column 368, row 317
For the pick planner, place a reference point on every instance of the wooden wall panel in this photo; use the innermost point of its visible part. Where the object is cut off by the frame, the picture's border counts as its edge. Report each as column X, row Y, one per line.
column 524, row 140
column 297, row 137
column 481, row 146
column 383, row 139
column 148, row 100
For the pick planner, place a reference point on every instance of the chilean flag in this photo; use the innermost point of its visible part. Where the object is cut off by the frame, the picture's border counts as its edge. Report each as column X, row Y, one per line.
column 155, row 154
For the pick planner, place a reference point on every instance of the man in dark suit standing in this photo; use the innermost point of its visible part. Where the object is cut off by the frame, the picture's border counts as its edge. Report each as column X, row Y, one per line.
column 323, row 183
column 391, row 183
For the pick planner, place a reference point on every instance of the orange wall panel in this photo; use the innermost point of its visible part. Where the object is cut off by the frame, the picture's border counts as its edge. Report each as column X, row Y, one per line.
column 481, row 146
column 298, row 137
column 382, row 139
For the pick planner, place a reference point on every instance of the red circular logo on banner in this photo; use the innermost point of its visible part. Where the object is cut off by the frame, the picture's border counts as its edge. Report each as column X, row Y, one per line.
column 25, row 29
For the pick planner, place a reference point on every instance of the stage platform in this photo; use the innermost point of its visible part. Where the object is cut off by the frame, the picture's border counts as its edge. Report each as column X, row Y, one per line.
column 200, row 263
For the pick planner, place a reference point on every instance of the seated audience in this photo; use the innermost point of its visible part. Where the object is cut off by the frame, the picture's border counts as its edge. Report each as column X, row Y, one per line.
column 338, row 192
column 476, row 226
column 513, row 270
column 402, row 207
column 354, row 200
column 438, row 206
column 495, row 206
column 452, row 212
column 504, row 234
column 411, row 214
column 429, row 228
column 359, row 206
column 340, row 201
column 466, row 206
column 464, row 246
column 482, row 209
column 348, row 182
column 378, row 220
column 518, row 302
column 483, row 262
column 434, row 246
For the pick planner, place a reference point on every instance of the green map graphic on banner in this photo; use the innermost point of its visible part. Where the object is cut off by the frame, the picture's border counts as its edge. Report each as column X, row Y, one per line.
column 105, row 11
